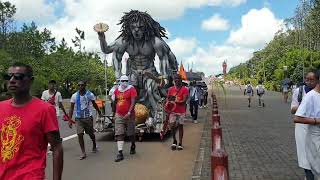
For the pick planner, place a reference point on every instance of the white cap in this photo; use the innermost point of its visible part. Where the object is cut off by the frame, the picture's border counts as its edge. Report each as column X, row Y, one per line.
column 124, row 78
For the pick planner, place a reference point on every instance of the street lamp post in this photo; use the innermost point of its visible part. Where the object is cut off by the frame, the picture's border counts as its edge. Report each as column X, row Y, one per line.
column 105, row 74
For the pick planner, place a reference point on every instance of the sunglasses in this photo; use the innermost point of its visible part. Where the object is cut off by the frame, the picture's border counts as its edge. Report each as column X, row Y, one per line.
column 124, row 81
column 81, row 84
column 16, row 76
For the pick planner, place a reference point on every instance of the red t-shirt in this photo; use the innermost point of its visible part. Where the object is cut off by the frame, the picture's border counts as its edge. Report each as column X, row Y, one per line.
column 23, row 143
column 124, row 100
column 172, row 91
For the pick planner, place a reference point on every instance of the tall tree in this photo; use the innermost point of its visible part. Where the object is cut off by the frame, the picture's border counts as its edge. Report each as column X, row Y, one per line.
column 7, row 11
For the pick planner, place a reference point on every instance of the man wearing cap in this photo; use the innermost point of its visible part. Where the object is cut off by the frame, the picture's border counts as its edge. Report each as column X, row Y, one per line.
column 83, row 100
column 179, row 95
column 125, row 97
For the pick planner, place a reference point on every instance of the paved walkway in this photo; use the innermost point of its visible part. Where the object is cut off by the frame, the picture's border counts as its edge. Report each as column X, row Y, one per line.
column 259, row 141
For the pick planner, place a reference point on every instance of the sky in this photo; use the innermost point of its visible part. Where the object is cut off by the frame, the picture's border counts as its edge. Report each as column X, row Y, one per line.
column 202, row 33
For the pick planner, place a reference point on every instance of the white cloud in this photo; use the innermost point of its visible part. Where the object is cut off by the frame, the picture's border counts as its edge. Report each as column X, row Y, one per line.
column 257, row 28
column 183, row 46
column 35, row 10
column 226, row 2
column 215, row 23
column 210, row 60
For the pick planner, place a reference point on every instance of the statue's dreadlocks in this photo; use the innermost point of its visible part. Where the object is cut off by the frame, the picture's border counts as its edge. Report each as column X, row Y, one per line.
column 152, row 27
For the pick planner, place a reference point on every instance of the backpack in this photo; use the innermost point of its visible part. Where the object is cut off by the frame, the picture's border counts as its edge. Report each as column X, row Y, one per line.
column 249, row 89
column 300, row 94
column 260, row 89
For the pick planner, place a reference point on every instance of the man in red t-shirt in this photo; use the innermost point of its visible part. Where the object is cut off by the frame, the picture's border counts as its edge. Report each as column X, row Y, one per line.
column 179, row 95
column 27, row 125
column 124, row 96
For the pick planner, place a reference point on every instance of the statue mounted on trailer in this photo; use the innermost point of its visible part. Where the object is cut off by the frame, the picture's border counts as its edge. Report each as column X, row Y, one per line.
column 141, row 37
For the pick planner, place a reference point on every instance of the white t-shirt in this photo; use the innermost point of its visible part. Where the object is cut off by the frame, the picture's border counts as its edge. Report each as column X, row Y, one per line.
column 46, row 97
column 295, row 95
column 310, row 107
column 247, row 88
column 112, row 90
column 300, row 134
column 86, row 104
column 260, row 87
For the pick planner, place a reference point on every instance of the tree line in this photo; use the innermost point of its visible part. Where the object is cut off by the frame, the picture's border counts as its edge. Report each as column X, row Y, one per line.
column 49, row 59
column 293, row 51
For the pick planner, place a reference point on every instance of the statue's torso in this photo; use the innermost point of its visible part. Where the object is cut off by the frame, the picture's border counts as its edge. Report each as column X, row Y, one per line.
column 141, row 57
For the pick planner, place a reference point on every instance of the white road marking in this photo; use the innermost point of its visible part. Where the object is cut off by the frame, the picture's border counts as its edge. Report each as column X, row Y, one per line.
column 67, row 138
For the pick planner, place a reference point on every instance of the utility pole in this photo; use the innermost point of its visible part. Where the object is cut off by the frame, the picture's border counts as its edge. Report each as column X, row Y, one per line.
column 264, row 72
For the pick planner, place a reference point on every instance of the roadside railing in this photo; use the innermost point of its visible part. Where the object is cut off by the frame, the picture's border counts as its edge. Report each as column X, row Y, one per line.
column 219, row 156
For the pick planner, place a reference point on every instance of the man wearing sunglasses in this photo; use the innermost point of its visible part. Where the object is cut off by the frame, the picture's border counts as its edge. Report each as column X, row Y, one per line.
column 27, row 126
column 83, row 100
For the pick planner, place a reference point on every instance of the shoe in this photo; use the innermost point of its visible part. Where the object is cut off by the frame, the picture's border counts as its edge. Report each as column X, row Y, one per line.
column 133, row 150
column 249, row 105
column 195, row 121
column 119, row 158
column 174, row 145
column 82, row 157
column 94, row 150
column 180, row 147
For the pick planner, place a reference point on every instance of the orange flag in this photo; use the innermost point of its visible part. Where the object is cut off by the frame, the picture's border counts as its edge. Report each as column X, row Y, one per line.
column 182, row 72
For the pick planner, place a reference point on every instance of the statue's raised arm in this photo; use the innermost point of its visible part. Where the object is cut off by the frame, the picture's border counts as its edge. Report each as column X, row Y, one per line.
column 117, row 48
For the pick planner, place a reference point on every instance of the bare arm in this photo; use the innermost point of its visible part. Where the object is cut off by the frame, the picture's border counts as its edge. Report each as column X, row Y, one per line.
column 96, row 107
column 304, row 120
column 62, row 108
column 71, row 110
column 55, row 141
column 294, row 109
column 133, row 102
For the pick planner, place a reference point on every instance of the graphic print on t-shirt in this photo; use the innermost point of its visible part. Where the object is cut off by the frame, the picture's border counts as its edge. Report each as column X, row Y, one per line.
column 121, row 99
column 10, row 138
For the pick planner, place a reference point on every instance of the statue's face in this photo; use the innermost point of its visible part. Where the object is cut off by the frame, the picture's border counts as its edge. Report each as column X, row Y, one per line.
column 137, row 30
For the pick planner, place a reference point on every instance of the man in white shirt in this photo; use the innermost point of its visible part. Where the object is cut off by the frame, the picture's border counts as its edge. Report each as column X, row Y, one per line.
column 53, row 96
column 302, row 129
column 83, row 100
column 260, row 92
column 248, row 90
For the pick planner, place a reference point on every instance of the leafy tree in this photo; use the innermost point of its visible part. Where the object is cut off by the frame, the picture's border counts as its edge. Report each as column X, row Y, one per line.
column 7, row 11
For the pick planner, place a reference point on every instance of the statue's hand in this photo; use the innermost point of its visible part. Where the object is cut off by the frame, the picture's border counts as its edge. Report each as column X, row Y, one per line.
column 101, row 36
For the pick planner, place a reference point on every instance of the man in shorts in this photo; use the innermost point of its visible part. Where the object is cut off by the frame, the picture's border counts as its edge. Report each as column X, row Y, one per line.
column 260, row 92
column 248, row 90
column 178, row 94
column 83, row 100
column 125, row 98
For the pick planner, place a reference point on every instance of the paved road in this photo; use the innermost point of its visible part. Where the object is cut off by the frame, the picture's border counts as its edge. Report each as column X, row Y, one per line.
column 260, row 141
column 154, row 159
column 65, row 131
